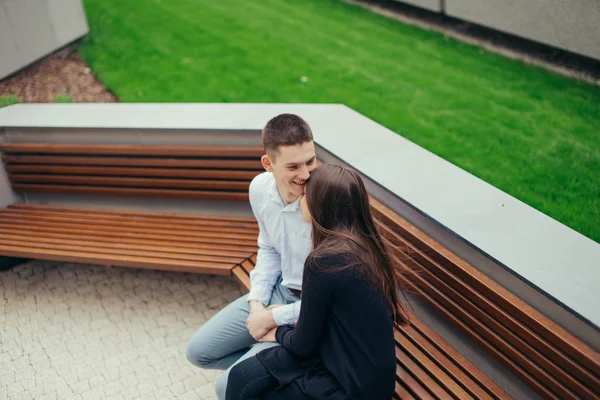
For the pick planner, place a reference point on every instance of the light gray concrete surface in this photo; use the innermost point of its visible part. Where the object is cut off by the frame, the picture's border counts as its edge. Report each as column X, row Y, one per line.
column 31, row 29
column 178, row 137
column 133, row 203
column 11, row 61
column 68, row 19
column 82, row 332
column 569, row 25
column 554, row 258
column 7, row 195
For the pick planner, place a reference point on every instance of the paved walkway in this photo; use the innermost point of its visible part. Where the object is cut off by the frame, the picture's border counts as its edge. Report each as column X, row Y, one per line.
column 70, row 331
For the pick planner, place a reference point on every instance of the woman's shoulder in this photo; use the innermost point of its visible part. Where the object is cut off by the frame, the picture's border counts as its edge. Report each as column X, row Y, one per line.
column 333, row 265
column 330, row 258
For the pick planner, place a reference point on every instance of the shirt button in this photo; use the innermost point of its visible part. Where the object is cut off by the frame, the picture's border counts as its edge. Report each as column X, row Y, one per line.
column 283, row 257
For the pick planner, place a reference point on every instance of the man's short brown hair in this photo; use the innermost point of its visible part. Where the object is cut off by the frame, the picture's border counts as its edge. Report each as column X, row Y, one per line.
column 285, row 130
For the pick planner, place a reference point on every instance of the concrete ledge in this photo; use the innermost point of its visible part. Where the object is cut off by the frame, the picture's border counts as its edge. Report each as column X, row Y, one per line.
column 547, row 255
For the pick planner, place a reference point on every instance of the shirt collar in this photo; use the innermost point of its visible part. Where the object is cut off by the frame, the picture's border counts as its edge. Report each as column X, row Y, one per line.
column 276, row 197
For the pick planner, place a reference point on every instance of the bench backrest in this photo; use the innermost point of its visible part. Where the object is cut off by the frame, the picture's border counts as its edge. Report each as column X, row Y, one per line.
column 550, row 360
column 199, row 172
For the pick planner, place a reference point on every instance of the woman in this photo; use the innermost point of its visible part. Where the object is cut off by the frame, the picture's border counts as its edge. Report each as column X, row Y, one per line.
column 343, row 344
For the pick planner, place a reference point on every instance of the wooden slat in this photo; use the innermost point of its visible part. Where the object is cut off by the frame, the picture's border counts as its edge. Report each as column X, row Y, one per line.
column 134, row 150
column 253, row 259
column 131, row 182
column 421, row 375
column 418, row 391
column 136, row 226
column 543, row 326
column 125, row 161
column 212, row 232
column 112, row 260
column 453, row 365
column 223, row 249
column 418, row 329
column 241, row 276
column 247, row 227
column 180, row 217
column 117, row 251
column 110, row 233
column 247, row 266
column 187, row 194
column 125, row 248
column 439, row 375
column 133, row 172
column 401, row 393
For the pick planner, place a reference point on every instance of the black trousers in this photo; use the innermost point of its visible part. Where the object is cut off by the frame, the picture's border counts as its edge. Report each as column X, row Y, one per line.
column 250, row 380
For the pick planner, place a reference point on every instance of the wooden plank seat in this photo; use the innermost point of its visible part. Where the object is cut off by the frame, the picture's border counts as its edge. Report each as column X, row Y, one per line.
column 199, row 172
column 174, row 242
column 427, row 367
column 546, row 357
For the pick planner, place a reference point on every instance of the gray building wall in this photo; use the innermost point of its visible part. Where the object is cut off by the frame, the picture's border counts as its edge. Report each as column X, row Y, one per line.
column 568, row 25
column 32, row 29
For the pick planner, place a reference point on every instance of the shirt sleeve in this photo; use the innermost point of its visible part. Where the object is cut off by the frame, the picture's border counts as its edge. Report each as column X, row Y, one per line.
column 268, row 261
column 317, row 288
column 288, row 314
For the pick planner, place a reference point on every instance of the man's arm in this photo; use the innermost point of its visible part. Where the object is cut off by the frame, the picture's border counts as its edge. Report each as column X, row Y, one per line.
column 264, row 275
column 262, row 280
column 266, row 272
column 288, row 314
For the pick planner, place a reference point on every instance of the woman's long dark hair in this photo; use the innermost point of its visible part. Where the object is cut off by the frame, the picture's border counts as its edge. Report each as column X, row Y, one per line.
column 342, row 224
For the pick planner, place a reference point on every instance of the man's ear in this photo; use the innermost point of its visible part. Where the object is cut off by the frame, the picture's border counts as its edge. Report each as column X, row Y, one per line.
column 267, row 163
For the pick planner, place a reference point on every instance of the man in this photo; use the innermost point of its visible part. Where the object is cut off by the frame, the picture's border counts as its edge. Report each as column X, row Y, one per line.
column 284, row 242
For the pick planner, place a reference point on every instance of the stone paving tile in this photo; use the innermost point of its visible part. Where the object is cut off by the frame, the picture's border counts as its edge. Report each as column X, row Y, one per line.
column 84, row 332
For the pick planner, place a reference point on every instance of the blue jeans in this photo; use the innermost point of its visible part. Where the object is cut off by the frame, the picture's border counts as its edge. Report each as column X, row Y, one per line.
column 224, row 340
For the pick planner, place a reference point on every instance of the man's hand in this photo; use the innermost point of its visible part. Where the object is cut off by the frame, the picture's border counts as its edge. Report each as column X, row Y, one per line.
column 260, row 322
column 269, row 337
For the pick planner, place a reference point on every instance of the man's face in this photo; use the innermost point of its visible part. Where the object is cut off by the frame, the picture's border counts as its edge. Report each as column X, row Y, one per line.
column 291, row 168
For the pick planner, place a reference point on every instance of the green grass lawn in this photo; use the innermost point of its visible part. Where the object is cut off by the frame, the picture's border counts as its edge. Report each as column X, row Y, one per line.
column 529, row 132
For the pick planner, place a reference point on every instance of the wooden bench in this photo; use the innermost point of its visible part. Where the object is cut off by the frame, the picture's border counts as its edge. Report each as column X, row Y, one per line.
column 427, row 366
column 546, row 357
column 168, row 241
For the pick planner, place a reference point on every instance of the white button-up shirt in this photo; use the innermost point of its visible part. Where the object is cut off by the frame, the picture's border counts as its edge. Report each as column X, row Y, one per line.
column 284, row 242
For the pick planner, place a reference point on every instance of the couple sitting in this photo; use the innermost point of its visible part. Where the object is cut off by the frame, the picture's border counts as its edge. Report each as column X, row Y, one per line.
column 338, row 341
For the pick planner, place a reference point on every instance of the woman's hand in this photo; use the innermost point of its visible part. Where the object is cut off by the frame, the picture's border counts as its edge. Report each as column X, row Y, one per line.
column 269, row 337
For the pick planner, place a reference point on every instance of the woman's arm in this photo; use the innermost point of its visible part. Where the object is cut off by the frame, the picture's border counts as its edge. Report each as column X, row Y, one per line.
column 317, row 288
